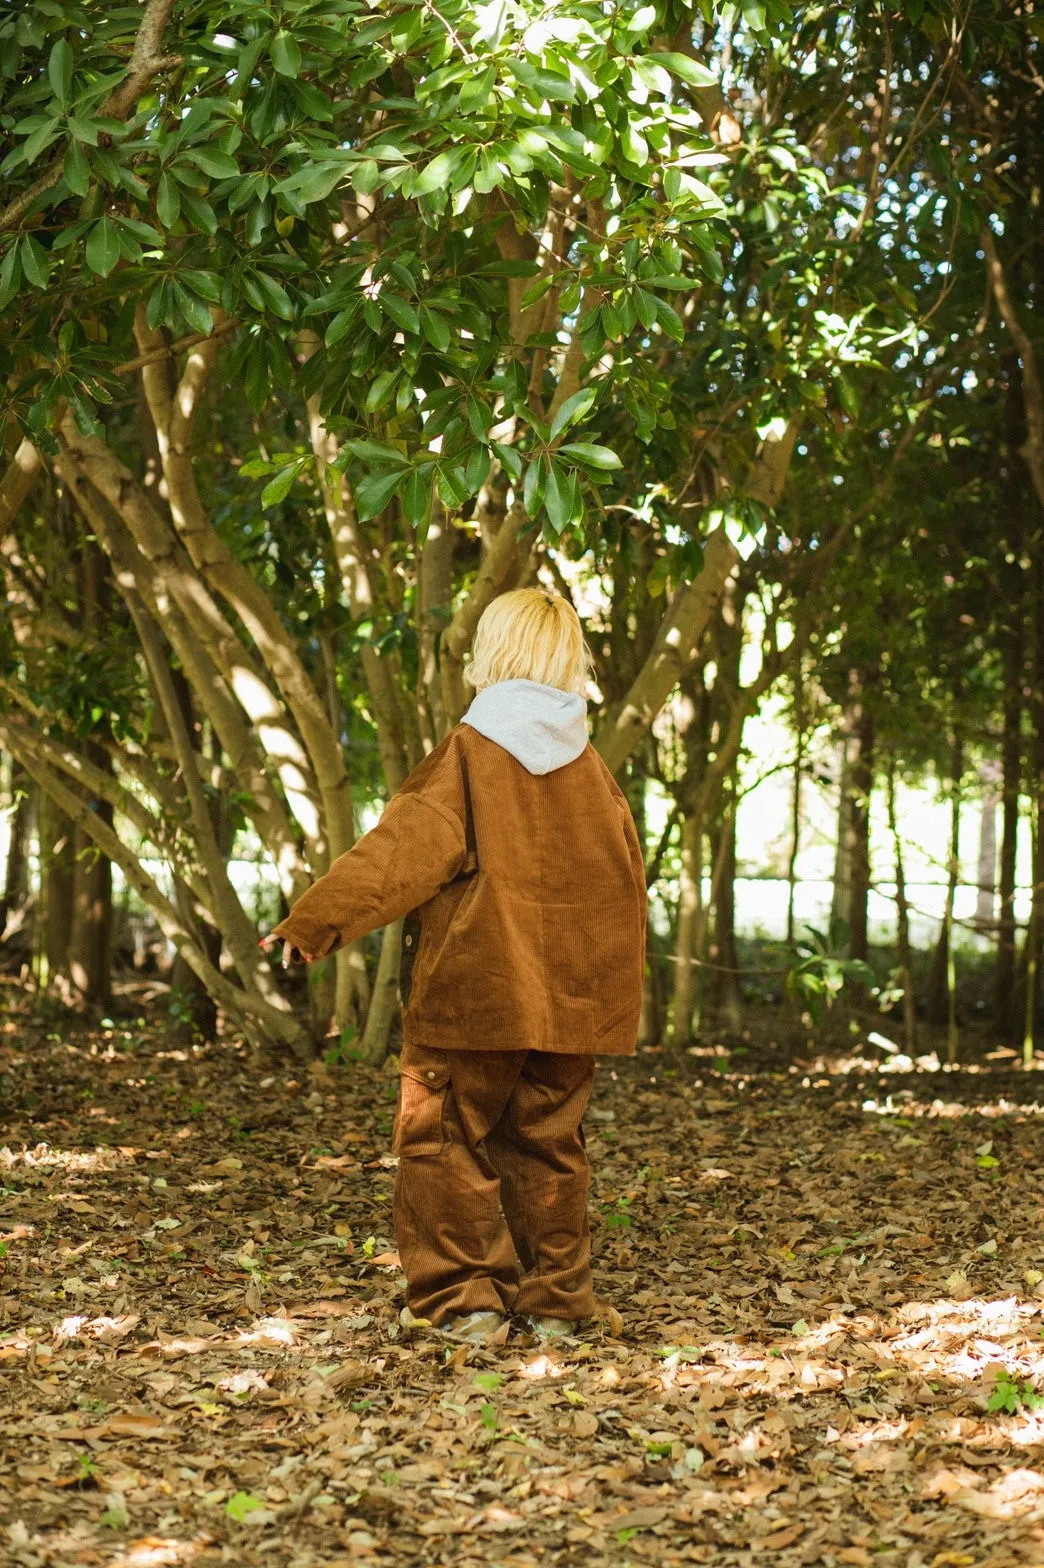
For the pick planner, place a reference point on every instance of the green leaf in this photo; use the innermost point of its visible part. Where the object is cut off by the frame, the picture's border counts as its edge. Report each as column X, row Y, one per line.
column 533, row 490
column 670, row 320
column 276, row 297
column 555, row 499
column 435, row 328
column 572, row 409
column 194, row 310
column 479, row 417
column 381, row 390
column 286, row 53
column 168, row 201
column 476, row 90
column 10, row 273
column 416, row 497
column 219, row 165
column 83, row 130
column 438, row 173
column 314, row 184
column 115, row 1516
column 103, row 247
column 754, row 15
column 200, row 211
column 279, row 488
column 76, row 170
column 642, row 19
column 594, row 456
column 36, row 263
column 373, row 493
column 242, row 1503
column 510, row 460
column 41, row 138
column 60, row 70
column 373, row 453
column 340, row 326
column 400, row 311
column 509, row 269
column 690, row 71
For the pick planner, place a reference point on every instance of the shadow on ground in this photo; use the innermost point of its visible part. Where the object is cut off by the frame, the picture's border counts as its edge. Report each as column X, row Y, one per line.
column 818, row 1280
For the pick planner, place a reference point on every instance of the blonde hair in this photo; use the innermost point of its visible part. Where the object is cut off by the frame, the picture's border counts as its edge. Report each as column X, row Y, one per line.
column 530, row 634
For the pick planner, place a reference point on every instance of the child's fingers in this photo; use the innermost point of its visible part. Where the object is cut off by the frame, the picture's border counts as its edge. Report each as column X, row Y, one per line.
column 290, row 955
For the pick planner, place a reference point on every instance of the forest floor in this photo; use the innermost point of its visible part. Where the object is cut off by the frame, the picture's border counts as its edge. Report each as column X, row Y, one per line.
column 826, row 1322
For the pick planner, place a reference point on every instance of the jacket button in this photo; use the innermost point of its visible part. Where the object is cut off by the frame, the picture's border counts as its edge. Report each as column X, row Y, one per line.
column 431, row 1075
column 409, row 941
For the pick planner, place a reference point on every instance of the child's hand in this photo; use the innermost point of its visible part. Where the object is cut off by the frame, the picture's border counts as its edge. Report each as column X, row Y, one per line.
column 291, row 954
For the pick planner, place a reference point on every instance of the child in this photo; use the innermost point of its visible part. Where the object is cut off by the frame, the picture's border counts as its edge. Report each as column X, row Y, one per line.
column 514, row 854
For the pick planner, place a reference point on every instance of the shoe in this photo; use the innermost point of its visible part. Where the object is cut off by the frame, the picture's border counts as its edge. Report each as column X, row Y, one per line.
column 470, row 1328
column 552, row 1328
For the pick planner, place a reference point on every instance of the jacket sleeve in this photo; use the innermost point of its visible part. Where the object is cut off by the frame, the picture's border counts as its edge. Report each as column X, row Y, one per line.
column 416, row 848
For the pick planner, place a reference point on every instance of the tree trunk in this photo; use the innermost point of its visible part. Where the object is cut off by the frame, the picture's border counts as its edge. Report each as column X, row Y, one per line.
column 852, row 865
column 690, row 900
column 862, row 788
column 795, row 798
column 986, row 876
column 385, row 997
column 57, row 867
column 1012, row 592
column 1034, row 945
column 727, row 990
column 902, row 910
column 942, row 986
column 91, row 937
column 1034, row 941
column 16, row 871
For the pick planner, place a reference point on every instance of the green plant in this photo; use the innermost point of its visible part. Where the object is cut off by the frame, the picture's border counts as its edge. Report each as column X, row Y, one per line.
column 617, row 1214
column 823, row 972
column 1011, row 1396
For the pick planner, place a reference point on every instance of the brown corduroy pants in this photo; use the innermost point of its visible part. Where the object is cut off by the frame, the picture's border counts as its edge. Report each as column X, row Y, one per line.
column 491, row 1190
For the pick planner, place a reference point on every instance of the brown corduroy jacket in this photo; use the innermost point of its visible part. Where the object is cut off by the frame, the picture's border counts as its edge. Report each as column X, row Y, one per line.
column 527, row 901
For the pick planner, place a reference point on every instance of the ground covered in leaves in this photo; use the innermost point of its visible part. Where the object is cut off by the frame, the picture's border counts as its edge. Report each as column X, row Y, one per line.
column 825, row 1334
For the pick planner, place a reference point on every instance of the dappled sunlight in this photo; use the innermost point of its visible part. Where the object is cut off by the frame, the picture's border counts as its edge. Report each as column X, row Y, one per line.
column 951, row 1344
column 42, row 1156
column 543, row 1366
column 910, row 1105
column 107, row 1330
column 269, row 1333
column 157, row 1552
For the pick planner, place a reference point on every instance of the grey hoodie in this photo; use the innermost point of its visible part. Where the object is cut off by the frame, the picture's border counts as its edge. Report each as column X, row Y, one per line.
column 542, row 727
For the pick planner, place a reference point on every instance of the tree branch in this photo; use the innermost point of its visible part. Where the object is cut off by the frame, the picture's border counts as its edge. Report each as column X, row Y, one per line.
column 144, row 63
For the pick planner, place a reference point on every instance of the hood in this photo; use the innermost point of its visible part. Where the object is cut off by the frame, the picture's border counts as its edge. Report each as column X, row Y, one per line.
column 542, row 727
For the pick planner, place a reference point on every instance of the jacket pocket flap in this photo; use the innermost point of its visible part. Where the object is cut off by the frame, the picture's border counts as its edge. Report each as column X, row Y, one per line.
column 431, row 1072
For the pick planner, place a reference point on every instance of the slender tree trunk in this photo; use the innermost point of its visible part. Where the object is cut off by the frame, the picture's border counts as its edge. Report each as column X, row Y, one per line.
column 943, row 981
column 862, row 787
column 1011, row 768
column 1013, row 594
column 986, row 877
column 852, row 865
column 91, row 937
column 839, row 905
column 1034, row 947
column 16, row 871
column 57, row 867
column 385, row 997
column 1034, row 935
column 902, row 910
column 727, row 992
column 690, row 900
column 795, row 797
column 651, row 1024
